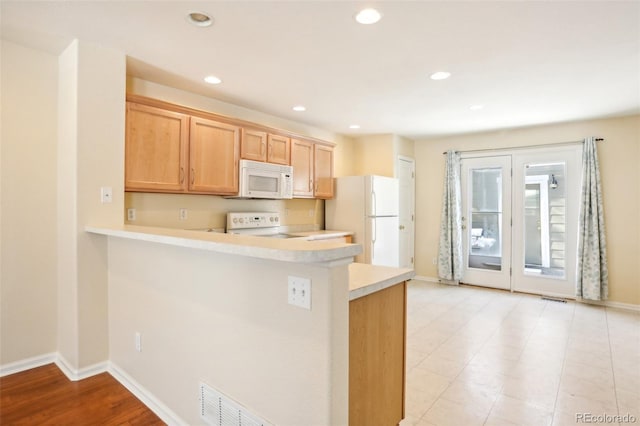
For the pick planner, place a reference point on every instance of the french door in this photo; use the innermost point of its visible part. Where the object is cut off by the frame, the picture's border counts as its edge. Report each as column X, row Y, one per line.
column 520, row 214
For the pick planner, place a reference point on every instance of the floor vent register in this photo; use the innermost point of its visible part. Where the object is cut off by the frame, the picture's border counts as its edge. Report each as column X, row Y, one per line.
column 217, row 409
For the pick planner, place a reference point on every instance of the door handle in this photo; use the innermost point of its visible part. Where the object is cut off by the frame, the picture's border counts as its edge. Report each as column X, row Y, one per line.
column 401, row 227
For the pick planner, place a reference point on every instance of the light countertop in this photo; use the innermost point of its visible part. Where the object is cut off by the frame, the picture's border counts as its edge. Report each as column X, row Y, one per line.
column 287, row 250
column 365, row 279
column 321, row 235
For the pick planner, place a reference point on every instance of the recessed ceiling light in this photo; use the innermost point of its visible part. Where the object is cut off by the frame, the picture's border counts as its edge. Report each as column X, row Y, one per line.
column 299, row 108
column 476, row 107
column 212, row 79
column 354, row 126
column 368, row 16
column 440, row 75
column 199, row 19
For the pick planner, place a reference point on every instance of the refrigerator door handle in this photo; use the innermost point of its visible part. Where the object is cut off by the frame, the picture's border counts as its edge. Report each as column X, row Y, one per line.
column 373, row 203
column 375, row 233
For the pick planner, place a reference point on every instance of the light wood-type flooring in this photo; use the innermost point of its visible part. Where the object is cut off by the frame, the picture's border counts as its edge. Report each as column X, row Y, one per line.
column 44, row 396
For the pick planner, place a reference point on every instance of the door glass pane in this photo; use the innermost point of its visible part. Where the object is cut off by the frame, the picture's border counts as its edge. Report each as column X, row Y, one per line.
column 544, row 219
column 485, row 219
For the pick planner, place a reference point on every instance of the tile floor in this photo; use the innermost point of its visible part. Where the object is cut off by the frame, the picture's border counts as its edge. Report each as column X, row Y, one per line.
column 478, row 356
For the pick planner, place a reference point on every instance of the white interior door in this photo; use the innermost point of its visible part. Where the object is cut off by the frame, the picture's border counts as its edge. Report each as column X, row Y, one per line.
column 545, row 220
column 405, row 171
column 486, row 220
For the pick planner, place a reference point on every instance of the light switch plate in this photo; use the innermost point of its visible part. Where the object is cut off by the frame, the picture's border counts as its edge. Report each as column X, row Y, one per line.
column 106, row 194
column 299, row 292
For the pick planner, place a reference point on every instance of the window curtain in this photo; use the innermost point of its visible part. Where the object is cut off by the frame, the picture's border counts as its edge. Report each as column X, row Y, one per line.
column 593, row 276
column 450, row 246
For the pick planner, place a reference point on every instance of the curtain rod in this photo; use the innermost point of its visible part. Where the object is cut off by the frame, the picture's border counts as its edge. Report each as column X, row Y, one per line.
column 526, row 146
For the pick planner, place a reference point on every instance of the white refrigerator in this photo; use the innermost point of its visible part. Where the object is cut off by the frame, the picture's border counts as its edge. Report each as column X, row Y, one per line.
column 368, row 206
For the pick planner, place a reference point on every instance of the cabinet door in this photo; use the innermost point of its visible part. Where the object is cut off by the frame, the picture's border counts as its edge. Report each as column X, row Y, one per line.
column 155, row 149
column 214, row 152
column 323, row 171
column 278, row 150
column 377, row 357
column 253, row 145
column 302, row 162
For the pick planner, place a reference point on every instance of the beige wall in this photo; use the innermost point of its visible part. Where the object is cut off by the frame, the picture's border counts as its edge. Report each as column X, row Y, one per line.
column 619, row 158
column 224, row 320
column 28, row 205
column 377, row 154
column 209, row 211
column 374, row 155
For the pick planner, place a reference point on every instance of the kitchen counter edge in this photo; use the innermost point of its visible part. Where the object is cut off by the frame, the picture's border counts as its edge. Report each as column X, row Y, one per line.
column 297, row 251
column 365, row 279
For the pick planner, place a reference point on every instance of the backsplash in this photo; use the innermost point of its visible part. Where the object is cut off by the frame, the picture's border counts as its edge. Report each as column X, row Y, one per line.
column 209, row 211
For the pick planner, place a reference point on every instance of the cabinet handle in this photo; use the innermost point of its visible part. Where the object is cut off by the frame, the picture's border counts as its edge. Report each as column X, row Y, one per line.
column 181, row 175
column 262, row 146
column 193, row 175
column 310, row 184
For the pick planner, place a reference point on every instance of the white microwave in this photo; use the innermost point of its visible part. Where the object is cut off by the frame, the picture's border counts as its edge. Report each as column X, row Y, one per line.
column 265, row 180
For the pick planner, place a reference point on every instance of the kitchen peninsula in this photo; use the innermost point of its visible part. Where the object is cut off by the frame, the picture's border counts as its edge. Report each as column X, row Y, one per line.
column 213, row 309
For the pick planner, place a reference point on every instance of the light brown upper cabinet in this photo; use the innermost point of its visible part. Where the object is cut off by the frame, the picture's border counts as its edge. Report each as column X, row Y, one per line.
column 302, row 162
column 263, row 146
column 156, row 149
column 176, row 149
column 312, row 169
column 214, row 151
column 278, row 149
column 253, row 145
column 323, row 171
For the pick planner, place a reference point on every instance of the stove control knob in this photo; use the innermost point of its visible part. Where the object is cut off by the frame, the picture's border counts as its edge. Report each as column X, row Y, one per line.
column 241, row 220
column 277, row 219
column 235, row 220
column 271, row 219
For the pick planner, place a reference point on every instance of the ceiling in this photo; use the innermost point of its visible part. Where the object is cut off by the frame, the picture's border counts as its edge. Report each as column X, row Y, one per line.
column 527, row 63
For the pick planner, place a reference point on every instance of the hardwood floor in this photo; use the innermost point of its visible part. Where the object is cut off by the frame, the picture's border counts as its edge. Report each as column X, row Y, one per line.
column 44, row 396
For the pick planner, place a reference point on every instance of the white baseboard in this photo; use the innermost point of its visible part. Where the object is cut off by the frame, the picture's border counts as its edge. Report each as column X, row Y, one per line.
column 75, row 374
column 424, row 278
column 147, row 398
column 434, row 280
column 611, row 304
column 27, row 364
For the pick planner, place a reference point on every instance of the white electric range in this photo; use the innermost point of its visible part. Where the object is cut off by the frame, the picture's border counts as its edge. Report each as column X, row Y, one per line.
column 265, row 224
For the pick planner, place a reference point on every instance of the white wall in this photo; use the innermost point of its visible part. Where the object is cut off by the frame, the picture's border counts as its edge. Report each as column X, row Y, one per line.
column 91, row 155
column 224, row 320
column 28, row 204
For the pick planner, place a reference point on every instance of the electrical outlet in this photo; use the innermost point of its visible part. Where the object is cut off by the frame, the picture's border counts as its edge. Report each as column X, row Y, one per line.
column 138, row 341
column 183, row 214
column 131, row 215
column 312, row 213
column 106, row 194
column 434, row 260
column 299, row 292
